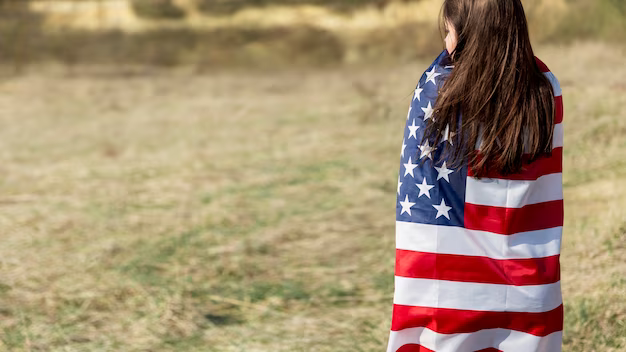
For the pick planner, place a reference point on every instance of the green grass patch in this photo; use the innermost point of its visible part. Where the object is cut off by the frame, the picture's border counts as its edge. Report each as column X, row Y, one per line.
column 594, row 322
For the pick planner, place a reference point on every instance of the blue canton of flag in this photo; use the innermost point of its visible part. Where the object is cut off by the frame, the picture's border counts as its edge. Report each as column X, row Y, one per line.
column 428, row 193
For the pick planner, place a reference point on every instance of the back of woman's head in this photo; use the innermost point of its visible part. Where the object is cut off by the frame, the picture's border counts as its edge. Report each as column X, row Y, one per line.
column 505, row 101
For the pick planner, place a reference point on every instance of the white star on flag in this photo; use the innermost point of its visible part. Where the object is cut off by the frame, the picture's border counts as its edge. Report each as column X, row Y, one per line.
column 409, row 114
column 403, row 148
column 406, row 205
column 426, row 150
column 447, row 135
column 442, row 209
column 409, row 167
column 430, row 76
column 443, row 172
column 424, row 188
column 399, row 184
column 428, row 112
column 418, row 92
column 413, row 130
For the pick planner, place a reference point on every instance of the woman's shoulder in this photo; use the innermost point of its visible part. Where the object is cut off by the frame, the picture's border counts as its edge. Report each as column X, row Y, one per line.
column 558, row 99
column 542, row 66
column 437, row 71
column 550, row 75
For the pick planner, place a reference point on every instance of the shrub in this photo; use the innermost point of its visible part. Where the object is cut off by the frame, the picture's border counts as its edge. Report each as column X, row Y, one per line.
column 157, row 9
column 270, row 47
column 598, row 19
column 231, row 6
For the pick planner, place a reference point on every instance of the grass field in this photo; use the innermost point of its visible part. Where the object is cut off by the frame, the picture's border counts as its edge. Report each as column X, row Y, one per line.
column 254, row 211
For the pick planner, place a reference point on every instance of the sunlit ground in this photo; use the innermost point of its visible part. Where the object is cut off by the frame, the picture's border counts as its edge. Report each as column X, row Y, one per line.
column 251, row 211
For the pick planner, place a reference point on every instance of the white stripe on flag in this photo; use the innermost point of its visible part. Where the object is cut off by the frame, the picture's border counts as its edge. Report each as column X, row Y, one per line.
column 513, row 193
column 555, row 83
column 557, row 138
column 458, row 240
column 502, row 339
column 476, row 296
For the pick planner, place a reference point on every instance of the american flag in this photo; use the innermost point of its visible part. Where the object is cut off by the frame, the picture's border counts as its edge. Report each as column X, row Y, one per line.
column 477, row 261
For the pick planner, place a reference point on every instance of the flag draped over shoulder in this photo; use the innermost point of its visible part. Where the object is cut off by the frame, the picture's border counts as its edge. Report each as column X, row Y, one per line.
column 477, row 260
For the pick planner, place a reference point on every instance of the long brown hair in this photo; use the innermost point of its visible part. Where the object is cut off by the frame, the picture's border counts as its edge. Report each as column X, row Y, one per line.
column 505, row 100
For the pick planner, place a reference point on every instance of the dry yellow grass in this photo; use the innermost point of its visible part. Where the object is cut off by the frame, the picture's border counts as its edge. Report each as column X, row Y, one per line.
column 254, row 211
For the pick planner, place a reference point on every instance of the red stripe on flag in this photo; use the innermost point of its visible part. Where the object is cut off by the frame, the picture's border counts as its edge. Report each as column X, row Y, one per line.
column 508, row 221
column 411, row 347
column 465, row 268
column 454, row 321
column 544, row 165
column 558, row 109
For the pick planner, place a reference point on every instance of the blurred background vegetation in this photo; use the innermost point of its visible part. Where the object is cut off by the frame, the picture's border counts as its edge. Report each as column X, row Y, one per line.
column 220, row 175
column 211, row 34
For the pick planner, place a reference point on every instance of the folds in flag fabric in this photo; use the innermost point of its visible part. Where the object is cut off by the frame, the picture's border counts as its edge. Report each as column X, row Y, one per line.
column 477, row 260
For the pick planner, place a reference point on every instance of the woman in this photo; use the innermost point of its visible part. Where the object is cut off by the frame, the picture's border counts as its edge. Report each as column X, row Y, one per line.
column 479, row 216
